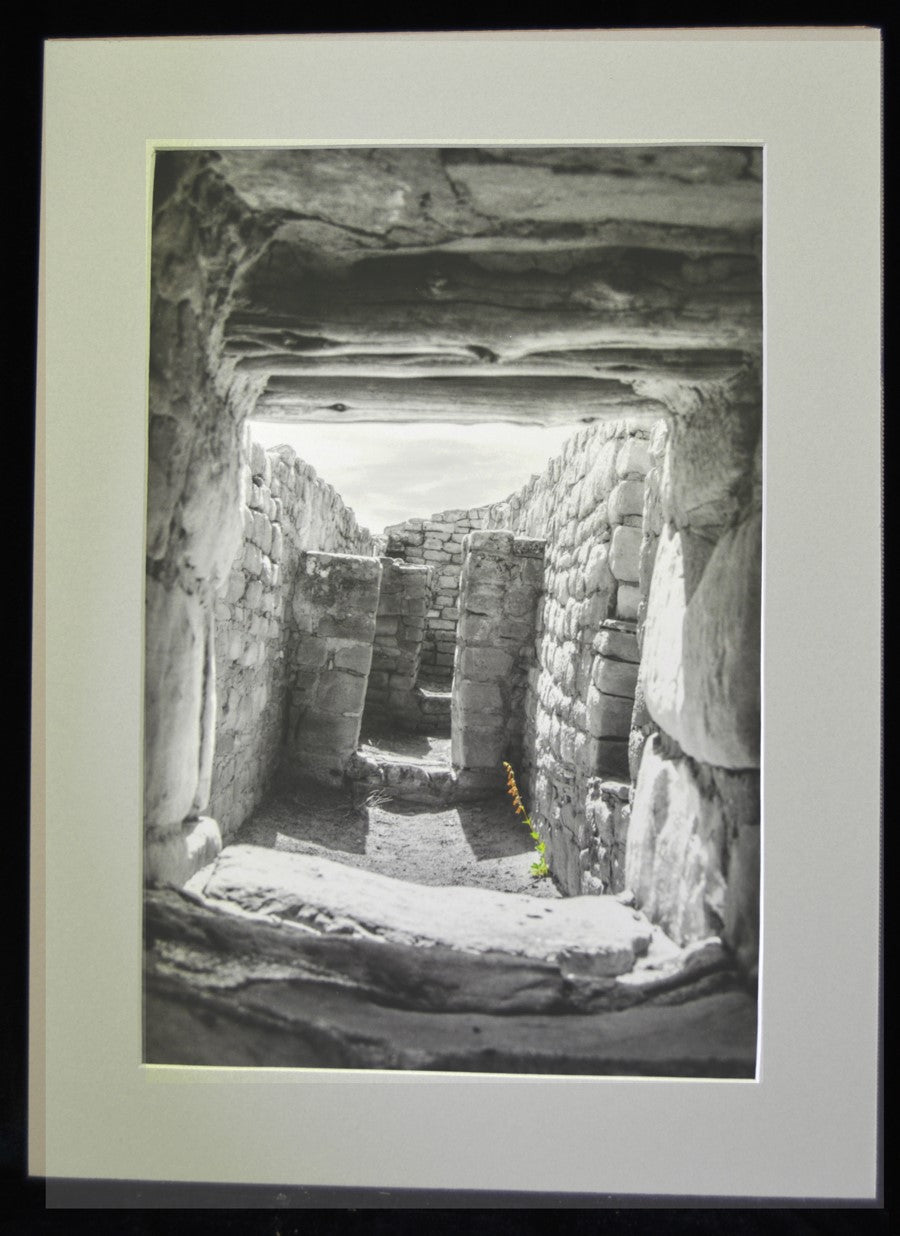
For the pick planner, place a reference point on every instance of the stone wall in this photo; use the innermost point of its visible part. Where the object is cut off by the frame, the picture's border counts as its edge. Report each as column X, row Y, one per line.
column 587, row 506
column 692, row 855
column 334, row 607
column 501, row 584
column 438, row 544
column 287, row 509
column 392, row 697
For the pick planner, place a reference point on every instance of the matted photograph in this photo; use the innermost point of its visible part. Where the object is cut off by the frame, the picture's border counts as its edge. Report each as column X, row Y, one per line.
column 456, row 757
column 452, row 668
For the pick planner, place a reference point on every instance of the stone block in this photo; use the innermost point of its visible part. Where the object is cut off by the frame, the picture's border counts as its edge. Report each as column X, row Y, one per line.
column 309, row 652
column 497, row 544
column 358, row 626
column 482, row 599
column 708, row 464
column 262, row 532
column 646, row 562
column 252, row 558
column 175, row 664
column 624, row 554
column 633, row 458
column 615, row 677
column 608, row 716
column 236, row 583
column 701, row 658
column 628, row 600
column 597, row 575
column 333, row 735
column 617, row 641
column 675, row 849
column 267, row 572
column 173, row 857
column 479, row 697
column 357, row 658
column 412, row 607
column 478, row 747
column 626, row 500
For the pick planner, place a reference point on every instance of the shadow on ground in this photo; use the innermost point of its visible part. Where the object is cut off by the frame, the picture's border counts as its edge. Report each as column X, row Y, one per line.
column 481, row 844
column 493, row 830
column 304, row 812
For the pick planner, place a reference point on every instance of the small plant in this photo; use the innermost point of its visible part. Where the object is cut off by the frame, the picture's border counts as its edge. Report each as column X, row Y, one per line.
column 539, row 867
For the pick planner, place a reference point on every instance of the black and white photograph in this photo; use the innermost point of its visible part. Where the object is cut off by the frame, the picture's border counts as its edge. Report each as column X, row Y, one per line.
column 453, row 608
column 456, row 765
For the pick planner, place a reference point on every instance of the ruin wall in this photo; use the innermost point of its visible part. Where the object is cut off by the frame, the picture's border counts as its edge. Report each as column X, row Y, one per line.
column 437, row 543
column 587, row 506
column 693, row 847
column 287, row 509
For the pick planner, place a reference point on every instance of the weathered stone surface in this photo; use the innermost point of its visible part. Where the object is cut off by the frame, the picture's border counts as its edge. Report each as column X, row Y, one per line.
column 210, row 935
column 257, row 647
column 627, row 498
column 609, row 716
column 174, row 700
column 649, row 260
column 707, row 473
column 633, row 459
column 701, row 644
column 617, row 641
column 495, row 642
column 173, row 857
column 229, row 988
column 676, row 848
column 615, row 677
column 582, row 936
column 624, row 552
column 628, row 602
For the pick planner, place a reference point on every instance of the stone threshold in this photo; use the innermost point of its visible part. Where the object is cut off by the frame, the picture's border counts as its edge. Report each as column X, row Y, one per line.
column 284, row 959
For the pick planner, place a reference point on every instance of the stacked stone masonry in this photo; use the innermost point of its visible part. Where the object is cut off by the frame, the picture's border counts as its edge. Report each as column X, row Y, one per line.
column 334, row 608
column 500, row 589
column 395, row 700
column 635, row 658
column 587, row 505
column 437, row 543
column 287, row 509
column 693, row 849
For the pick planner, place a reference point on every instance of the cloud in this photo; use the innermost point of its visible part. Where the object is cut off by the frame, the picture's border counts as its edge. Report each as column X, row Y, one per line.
column 389, row 473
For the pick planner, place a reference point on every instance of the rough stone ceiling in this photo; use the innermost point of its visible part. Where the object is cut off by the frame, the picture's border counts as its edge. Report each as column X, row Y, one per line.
column 523, row 283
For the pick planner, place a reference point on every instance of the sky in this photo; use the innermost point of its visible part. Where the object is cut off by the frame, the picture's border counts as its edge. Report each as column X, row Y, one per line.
column 392, row 472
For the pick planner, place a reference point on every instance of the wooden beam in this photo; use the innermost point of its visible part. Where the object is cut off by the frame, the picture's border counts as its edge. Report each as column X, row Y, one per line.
column 617, row 364
column 503, row 332
column 519, row 399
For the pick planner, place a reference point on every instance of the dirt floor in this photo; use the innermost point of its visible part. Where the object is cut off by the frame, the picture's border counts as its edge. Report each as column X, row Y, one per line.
column 480, row 844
